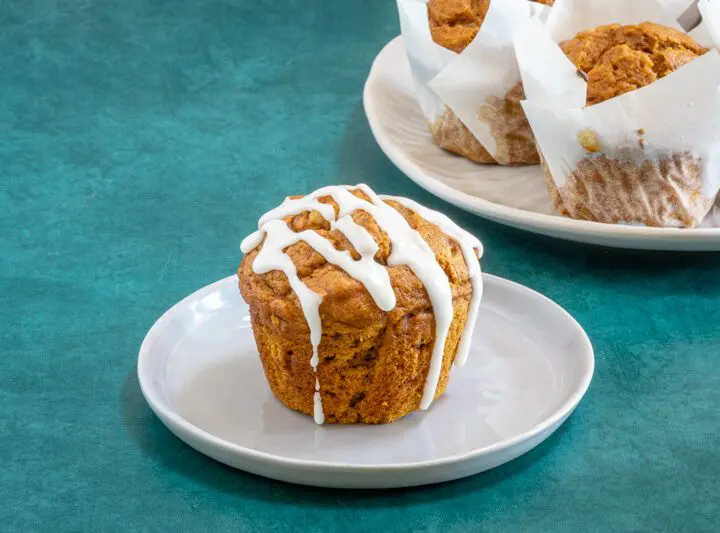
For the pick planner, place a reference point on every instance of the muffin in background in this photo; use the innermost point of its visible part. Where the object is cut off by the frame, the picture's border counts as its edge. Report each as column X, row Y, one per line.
column 614, row 186
column 453, row 25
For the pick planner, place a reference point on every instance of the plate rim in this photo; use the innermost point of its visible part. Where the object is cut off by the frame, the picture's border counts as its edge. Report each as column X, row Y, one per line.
column 516, row 217
column 170, row 417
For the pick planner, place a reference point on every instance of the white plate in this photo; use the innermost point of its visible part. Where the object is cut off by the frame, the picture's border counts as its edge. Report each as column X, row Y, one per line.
column 529, row 366
column 515, row 196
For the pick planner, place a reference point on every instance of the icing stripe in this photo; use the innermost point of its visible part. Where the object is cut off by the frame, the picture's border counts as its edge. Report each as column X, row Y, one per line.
column 468, row 244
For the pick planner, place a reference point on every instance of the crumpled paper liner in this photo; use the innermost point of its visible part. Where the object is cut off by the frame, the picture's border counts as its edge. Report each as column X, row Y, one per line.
column 605, row 189
column 650, row 156
column 471, row 99
column 508, row 125
column 452, row 135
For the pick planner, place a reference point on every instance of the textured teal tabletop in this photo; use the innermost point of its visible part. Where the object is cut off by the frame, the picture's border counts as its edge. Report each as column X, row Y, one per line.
column 140, row 141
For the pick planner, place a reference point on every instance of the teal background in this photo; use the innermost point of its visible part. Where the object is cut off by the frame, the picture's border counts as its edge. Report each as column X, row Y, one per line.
column 141, row 139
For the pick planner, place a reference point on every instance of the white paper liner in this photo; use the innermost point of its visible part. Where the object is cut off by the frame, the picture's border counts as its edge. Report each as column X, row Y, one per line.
column 427, row 58
column 486, row 68
column 679, row 114
column 567, row 18
column 692, row 15
column 685, row 12
column 464, row 82
column 707, row 32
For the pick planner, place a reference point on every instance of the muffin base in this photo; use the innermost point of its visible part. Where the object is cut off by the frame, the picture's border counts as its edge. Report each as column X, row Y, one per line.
column 508, row 126
column 373, row 375
column 372, row 365
column 663, row 193
column 450, row 134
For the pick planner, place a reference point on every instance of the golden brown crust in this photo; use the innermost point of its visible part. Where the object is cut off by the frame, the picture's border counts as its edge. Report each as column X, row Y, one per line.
column 617, row 59
column 373, row 364
column 455, row 23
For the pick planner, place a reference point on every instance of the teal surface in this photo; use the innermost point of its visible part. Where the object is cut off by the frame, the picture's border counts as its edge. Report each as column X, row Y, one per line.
column 140, row 141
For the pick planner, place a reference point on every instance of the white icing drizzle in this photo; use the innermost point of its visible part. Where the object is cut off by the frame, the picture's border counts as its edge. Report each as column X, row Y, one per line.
column 252, row 241
column 318, row 412
column 468, row 244
column 408, row 248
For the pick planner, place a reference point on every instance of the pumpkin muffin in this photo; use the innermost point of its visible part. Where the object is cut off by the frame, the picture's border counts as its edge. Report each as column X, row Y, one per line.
column 372, row 365
column 613, row 184
column 453, row 25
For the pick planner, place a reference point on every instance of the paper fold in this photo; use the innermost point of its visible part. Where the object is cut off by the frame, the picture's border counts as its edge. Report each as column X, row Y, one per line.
column 567, row 18
column 427, row 58
column 485, row 69
column 707, row 32
column 474, row 84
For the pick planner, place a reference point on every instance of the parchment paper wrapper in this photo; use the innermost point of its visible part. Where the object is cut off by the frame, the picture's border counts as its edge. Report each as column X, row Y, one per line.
column 707, row 30
column 684, row 11
column 472, row 99
column 650, row 156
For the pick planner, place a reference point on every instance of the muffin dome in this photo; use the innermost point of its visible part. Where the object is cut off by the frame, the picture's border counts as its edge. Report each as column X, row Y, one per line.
column 373, row 359
column 618, row 59
column 455, row 23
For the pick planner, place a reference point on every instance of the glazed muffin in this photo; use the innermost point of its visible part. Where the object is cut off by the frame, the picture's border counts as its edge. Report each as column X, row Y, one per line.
column 453, row 25
column 620, row 185
column 348, row 294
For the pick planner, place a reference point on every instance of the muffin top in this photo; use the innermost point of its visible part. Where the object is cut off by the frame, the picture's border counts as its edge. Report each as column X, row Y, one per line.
column 344, row 298
column 455, row 23
column 617, row 59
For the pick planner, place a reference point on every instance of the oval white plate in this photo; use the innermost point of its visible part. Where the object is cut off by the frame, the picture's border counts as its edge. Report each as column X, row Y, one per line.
column 529, row 366
column 515, row 196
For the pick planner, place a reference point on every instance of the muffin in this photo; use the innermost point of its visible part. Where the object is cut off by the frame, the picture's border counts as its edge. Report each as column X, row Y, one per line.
column 348, row 294
column 453, row 25
column 619, row 184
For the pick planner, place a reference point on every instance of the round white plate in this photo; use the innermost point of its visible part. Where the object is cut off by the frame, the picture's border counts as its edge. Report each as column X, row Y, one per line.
column 515, row 196
column 529, row 366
